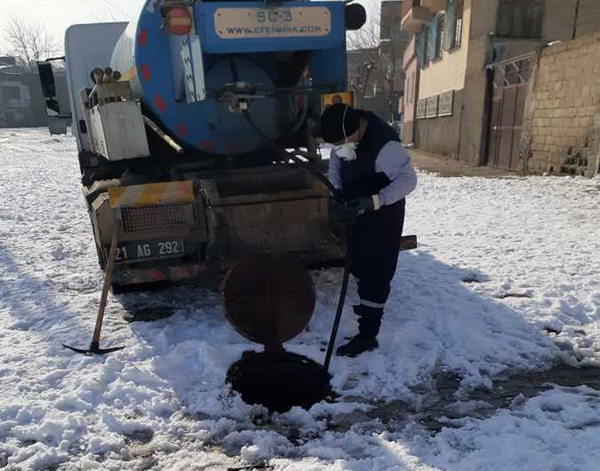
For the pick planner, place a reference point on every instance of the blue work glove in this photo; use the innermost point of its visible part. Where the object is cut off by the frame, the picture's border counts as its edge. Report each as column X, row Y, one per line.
column 352, row 209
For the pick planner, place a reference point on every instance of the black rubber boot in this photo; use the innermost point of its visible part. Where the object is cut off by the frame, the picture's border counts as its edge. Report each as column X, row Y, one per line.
column 369, row 322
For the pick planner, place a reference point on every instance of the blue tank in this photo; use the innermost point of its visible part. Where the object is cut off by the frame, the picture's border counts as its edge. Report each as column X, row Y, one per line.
column 236, row 56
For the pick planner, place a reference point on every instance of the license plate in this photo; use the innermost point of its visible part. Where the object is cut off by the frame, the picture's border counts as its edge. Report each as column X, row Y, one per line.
column 149, row 249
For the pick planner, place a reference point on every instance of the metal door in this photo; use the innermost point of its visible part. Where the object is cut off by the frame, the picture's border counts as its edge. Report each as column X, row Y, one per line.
column 511, row 82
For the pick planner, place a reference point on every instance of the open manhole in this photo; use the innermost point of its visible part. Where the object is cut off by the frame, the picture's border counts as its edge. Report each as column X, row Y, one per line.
column 270, row 299
column 279, row 380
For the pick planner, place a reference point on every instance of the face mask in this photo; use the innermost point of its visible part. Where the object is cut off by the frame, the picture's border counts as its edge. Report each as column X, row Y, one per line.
column 346, row 151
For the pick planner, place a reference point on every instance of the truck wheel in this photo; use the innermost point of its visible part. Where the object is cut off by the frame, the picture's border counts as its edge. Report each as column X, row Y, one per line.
column 116, row 288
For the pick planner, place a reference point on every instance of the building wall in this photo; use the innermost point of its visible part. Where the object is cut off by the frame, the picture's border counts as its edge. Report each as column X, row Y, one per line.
column 485, row 49
column 30, row 110
column 441, row 135
column 410, row 93
column 453, row 136
column 378, row 104
column 562, row 120
column 474, row 119
column 465, row 69
column 588, row 21
column 559, row 21
column 448, row 73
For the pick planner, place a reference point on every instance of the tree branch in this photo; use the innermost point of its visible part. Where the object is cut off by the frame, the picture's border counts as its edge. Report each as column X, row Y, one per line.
column 28, row 41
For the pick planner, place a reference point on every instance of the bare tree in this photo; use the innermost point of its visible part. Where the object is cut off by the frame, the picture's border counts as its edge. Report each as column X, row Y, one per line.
column 28, row 41
column 393, row 75
column 366, row 65
column 375, row 59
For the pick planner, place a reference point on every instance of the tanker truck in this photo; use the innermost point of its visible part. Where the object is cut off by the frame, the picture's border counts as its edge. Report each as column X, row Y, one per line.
column 180, row 118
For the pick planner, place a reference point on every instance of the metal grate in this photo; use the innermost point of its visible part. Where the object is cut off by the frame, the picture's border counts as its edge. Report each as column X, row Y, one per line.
column 515, row 71
column 150, row 218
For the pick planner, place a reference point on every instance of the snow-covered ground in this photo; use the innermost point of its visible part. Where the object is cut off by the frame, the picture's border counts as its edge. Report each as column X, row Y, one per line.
column 500, row 261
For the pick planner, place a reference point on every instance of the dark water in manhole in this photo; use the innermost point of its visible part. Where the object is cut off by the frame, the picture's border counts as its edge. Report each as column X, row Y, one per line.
column 279, row 380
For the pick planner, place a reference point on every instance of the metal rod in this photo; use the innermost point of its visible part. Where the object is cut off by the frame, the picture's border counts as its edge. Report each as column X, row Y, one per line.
column 152, row 125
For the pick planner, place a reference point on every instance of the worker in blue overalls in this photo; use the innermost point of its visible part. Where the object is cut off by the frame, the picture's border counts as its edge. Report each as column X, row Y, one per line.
column 372, row 169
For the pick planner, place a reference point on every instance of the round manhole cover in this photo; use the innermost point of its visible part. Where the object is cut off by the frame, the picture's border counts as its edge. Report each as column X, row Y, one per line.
column 269, row 299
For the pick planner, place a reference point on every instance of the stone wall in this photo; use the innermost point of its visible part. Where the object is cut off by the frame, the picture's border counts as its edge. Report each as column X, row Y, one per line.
column 562, row 116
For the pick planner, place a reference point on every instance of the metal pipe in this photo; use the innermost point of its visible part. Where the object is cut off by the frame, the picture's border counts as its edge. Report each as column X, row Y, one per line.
column 152, row 125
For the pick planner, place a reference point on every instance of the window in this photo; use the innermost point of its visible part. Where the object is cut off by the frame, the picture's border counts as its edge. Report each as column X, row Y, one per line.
column 518, row 19
column 11, row 92
column 439, row 35
column 421, row 47
column 454, row 25
column 431, row 39
column 457, row 30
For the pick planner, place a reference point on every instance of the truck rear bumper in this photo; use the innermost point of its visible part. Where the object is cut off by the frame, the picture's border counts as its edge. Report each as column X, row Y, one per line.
column 214, row 221
column 165, row 272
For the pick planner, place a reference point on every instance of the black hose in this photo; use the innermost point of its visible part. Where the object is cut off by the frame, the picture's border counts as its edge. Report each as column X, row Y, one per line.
column 335, row 193
column 341, row 301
